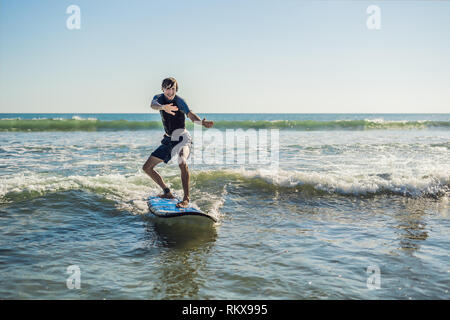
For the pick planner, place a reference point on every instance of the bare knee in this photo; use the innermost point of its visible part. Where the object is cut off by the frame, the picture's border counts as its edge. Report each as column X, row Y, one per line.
column 147, row 167
column 183, row 166
column 150, row 164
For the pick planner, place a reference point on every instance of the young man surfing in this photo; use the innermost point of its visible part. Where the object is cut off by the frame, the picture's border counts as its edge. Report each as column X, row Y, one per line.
column 176, row 140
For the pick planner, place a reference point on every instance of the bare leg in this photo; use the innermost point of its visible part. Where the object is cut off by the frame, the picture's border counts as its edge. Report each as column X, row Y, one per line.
column 149, row 169
column 184, row 176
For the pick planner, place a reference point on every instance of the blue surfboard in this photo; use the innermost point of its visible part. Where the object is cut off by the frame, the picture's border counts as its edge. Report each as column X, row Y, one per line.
column 166, row 208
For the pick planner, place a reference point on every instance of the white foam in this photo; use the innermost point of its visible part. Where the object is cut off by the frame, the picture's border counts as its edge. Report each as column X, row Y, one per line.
column 128, row 192
column 113, row 187
column 351, row 183
column 377, row 120
column 80, row 118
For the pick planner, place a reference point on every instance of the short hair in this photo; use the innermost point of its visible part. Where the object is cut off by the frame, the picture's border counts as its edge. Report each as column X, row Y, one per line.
column 169, row 83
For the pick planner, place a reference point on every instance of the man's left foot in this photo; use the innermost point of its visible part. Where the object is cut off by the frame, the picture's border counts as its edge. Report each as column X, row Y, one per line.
column 183, row 204
column 166, row 195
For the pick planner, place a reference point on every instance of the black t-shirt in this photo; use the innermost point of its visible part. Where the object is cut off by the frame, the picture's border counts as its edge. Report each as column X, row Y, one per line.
column 170, row 122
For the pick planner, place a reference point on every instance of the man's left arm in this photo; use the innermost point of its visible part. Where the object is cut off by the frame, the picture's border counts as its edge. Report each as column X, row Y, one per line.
column 191, row 115
column 196, row 119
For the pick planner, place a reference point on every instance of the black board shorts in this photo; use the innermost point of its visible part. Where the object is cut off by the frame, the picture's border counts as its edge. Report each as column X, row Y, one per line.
column 164, row 151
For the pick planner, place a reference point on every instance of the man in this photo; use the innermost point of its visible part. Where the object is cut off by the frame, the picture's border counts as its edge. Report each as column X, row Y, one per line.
column 176, row 141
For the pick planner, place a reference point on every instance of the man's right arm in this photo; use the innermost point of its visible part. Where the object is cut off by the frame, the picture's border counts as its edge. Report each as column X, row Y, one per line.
column 169, row 108
column 155, row 104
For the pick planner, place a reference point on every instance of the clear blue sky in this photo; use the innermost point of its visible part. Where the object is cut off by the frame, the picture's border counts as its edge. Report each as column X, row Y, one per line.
column 228, row 56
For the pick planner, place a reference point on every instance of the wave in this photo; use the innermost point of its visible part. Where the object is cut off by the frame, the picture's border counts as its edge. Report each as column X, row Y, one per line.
column 80, row 124
column 75, row 124
column 434, row 185
column 130, row 191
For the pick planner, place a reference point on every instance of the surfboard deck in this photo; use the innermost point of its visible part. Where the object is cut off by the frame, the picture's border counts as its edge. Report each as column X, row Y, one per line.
column 166, row 208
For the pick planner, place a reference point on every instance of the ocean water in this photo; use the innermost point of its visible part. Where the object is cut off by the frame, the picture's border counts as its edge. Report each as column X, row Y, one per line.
column 355, row 208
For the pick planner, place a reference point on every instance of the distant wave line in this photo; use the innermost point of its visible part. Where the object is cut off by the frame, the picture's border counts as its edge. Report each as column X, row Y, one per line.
column 78, row 124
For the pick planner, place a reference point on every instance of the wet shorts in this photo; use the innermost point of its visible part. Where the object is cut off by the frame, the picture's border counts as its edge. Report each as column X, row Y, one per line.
column 164, row 151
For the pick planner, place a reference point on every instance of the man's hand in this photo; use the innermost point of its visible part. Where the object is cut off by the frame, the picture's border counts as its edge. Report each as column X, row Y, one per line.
column 206, row 123
column 170, row 108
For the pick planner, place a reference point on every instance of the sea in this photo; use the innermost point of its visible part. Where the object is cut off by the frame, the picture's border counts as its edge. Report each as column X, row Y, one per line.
column 346, row 206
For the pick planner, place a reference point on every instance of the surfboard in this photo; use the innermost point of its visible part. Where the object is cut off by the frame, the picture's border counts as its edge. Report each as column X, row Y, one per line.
column 166, row 208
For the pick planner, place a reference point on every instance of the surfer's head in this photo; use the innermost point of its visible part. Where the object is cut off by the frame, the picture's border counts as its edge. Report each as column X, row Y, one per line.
column 169, row 87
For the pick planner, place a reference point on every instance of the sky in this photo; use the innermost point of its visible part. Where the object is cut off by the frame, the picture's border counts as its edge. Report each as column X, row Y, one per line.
column 228, row 56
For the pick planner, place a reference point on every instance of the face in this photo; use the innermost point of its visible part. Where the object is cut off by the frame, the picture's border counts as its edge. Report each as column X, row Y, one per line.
column 170, row 92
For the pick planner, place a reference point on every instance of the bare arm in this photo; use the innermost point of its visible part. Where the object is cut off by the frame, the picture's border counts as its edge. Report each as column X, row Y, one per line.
column 196, row 119
column 193, row 117
column 156, row 105
column 169, row 108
